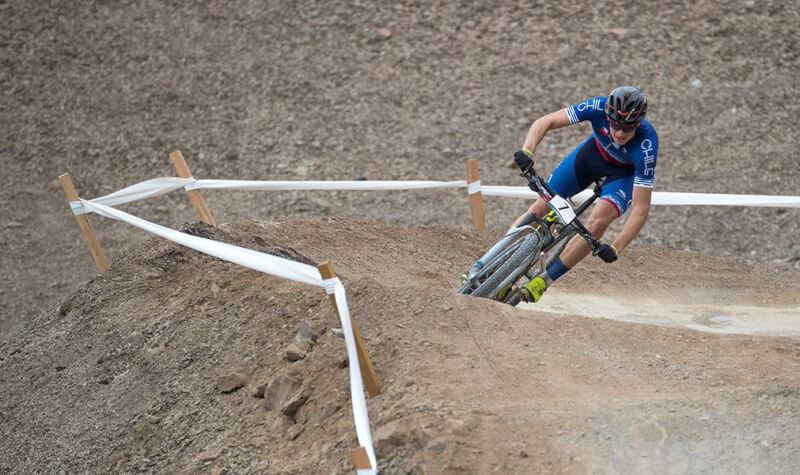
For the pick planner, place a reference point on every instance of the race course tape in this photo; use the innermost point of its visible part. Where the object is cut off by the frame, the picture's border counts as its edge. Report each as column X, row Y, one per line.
column 160, row 186
column 666, row 198
column 279, row 267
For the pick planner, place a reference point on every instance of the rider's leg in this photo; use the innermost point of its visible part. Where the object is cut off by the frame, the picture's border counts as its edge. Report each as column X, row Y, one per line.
column 603, row 214
column 538, row 209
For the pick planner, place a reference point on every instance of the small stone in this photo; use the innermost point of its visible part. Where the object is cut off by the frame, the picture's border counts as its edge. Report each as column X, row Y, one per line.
column 231, row 156
column 296, row 402
column 231, row 382
column 210, row 455
column 337, row 332
column 523, row 454
column 619, row 31
column 297, row 351
column 696, row 84
column 294, row 431
column 279, row 390
column 215, row 290
column 398, row 433
column 304, row 333
column 14, row 225
column 384, row 34
column 258, row 390
column 301, row 171
column 330, row 409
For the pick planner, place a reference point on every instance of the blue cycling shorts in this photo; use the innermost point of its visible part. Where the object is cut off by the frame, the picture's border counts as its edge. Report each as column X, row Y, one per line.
column 586, row 164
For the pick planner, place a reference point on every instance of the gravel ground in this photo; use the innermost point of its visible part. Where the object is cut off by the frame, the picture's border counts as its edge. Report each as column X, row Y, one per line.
column 393, row 90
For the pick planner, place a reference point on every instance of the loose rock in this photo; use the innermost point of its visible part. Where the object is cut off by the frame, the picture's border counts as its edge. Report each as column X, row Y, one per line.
column 297, row 351
column 231, row 382
column 304, row 333
column 279, row 390
column 296, row 401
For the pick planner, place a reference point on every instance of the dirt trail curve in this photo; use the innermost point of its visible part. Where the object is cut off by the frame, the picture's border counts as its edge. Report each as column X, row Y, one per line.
column 127, row 373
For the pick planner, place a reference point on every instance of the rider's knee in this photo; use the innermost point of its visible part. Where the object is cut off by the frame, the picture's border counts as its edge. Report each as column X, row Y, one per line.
column 539, row 208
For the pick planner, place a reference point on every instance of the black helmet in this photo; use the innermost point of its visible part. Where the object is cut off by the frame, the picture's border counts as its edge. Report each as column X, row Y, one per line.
column 626, row 105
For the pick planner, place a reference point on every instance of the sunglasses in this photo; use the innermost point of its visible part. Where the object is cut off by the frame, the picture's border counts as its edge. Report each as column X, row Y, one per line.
column 619, row 126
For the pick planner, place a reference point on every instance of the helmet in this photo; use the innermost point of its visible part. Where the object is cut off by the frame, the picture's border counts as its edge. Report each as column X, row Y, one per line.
column 626, row 105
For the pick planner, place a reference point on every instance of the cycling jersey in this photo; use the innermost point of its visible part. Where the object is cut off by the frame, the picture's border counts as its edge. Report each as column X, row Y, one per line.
column 640, row 152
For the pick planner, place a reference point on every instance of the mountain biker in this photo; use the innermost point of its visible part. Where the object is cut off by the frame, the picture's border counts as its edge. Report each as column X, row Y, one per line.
column 622, row 149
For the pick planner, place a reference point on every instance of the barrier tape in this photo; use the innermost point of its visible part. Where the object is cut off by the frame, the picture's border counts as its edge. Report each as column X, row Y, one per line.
column 160, row 186
column 279, row 267
column 666, row 198
column 367, row 185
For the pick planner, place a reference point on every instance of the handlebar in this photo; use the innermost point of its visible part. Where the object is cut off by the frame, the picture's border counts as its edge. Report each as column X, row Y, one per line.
column 543, row 189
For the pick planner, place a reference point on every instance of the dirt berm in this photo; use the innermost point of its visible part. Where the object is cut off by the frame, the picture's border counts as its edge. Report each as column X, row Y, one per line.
column 138, row 370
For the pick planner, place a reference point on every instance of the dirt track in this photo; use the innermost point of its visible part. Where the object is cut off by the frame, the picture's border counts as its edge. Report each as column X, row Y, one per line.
column 122, row 375
column 119, row 372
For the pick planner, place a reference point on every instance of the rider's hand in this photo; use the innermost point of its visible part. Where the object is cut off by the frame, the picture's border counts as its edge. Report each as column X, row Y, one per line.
column 607, row 252
column 523, row 159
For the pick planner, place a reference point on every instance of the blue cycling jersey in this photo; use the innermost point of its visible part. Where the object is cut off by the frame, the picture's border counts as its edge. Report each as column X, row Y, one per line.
column 640, row 152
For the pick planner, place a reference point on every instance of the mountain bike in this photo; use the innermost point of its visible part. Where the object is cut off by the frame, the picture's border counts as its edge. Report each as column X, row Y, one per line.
column 526, row 251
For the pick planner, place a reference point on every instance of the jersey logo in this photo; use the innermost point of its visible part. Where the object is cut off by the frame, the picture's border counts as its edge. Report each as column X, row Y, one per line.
column 591, row 104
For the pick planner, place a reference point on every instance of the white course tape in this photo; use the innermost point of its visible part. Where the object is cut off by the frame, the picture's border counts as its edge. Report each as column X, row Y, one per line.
column 356, row 383
column 321, row 185
column 474, row 187
column 665, row 198
column 279, row 267
column 712, row 199
column 330, row 285
column 143, row 190
column 77, row 208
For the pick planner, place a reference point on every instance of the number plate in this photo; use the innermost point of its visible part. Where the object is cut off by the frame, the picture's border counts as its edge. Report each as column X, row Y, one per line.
column 564, row 210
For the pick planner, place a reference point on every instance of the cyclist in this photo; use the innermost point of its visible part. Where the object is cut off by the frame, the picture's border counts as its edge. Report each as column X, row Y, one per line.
column 622, row 149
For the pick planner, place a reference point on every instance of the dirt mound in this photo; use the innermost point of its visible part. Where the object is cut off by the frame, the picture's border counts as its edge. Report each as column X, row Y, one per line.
column 174, row 361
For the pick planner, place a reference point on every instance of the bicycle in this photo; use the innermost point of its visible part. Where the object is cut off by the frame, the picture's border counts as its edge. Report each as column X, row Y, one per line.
column 529, row 248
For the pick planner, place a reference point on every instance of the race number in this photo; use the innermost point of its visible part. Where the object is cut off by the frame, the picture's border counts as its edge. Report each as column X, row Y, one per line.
column 563, row 209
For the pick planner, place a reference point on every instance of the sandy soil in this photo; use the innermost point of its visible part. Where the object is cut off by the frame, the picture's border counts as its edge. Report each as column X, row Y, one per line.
column 125, row 374
column 121, row 372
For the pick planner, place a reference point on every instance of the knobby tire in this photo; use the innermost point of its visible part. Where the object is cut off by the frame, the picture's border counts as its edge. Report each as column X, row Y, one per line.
column 528, row 246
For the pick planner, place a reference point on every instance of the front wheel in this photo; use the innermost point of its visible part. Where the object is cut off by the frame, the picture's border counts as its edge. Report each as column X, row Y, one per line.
column 506, row 274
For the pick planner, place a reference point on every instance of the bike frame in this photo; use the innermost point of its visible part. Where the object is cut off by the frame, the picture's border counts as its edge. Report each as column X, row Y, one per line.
column 564, row 209
column 566, row 226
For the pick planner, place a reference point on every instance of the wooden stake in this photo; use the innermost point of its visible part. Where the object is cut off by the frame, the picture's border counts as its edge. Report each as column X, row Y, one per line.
column 475, row 199
column 194, row 195
column 86, row 227
column 368, row 373
column 360, row 459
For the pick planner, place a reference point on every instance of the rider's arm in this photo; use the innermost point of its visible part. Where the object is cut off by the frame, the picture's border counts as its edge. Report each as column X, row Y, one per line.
column 553, row 120
column 639, row 212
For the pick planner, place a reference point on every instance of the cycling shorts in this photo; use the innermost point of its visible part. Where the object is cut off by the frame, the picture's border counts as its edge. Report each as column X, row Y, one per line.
column 586, row 164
